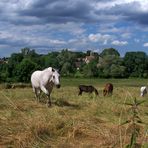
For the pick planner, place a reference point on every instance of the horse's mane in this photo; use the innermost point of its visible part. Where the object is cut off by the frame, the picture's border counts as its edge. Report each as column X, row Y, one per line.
column 50, row 69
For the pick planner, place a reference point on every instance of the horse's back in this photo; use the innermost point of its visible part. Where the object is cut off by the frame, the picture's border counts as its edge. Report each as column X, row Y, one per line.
column 81, row 86
column 109, row 86
column 108, row 89
column 87, row 88
column 35, row 78
column 41, row 77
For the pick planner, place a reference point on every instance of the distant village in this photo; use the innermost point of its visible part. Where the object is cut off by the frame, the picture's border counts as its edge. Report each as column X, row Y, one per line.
column 3, row 60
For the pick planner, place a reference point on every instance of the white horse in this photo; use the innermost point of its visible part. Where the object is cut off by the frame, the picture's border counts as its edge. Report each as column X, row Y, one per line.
column 44, row 81
column 143, row 91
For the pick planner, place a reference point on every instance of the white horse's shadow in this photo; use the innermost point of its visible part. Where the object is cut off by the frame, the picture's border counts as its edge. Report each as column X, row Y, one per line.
column 63, row 103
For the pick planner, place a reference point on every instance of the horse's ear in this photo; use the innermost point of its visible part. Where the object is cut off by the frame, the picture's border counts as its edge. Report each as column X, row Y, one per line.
column 58, row 70
column 53, row 70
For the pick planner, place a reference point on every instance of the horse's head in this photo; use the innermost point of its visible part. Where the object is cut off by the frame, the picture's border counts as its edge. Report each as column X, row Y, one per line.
column 55, row 78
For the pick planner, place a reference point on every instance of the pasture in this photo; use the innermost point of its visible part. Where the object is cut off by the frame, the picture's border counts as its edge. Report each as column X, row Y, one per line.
column 86, row 121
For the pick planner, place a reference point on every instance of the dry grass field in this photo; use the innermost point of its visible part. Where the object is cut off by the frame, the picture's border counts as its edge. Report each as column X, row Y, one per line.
column 72, row 121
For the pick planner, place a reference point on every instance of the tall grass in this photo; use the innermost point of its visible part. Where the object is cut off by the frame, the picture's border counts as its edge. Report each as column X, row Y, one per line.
column 134, row 124
column 72, row 121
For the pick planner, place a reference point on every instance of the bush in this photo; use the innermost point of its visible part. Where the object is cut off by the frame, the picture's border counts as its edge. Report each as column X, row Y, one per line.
column 78, row 74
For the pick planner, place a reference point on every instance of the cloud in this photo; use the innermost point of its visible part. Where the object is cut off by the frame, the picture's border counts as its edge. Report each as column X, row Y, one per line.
column 75, row 24
column 119, row 43
column 126, row 10
column 126, row 35
column 28, row 12
column 145, row 44
column 99, row 38
column 46, row 11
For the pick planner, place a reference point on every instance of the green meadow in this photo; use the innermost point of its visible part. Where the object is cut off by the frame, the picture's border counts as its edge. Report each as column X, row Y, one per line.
column 73, row 121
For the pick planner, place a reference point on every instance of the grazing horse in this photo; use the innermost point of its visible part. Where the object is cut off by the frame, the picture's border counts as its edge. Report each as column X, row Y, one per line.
column 143, row 91
column 44, row 81
column 88, row 89
column 108, row 89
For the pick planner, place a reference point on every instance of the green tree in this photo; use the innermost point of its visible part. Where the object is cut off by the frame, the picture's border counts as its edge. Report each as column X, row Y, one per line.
column 110, row 64
column 25, row 51
column 87, row 71
column 69, row 58
column 51, row 60
column 90, row 69
column 136, row 64
column 110, row 52
column 34, row 57
column 16, row 60
column 66, row 69
column 25, row 69
column 13, row 61
column 117, row 71
column 4, row 72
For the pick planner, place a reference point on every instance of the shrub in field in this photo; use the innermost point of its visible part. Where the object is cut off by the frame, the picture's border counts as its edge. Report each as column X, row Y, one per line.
column 133, row 124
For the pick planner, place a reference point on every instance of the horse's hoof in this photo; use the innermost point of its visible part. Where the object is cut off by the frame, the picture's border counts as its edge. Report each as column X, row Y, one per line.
column 48, row 104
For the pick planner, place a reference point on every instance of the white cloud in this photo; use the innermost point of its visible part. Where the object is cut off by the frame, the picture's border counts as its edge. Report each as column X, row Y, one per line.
column 142, row 4
column 145, row 44
column 126, row 35
column 99, row 38
column 119, row 43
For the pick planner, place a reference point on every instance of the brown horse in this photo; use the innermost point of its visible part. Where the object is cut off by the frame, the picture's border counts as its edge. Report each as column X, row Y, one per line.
column 108, row 89
column 89, row 89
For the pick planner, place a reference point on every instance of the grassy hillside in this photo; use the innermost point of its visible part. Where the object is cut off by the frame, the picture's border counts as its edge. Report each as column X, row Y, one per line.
column 72, row 121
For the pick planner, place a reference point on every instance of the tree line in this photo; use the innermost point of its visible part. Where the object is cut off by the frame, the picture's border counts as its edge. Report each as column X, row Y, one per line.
column 107, row 64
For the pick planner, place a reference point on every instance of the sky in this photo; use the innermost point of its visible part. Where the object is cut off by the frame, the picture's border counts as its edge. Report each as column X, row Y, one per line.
column 78, row 25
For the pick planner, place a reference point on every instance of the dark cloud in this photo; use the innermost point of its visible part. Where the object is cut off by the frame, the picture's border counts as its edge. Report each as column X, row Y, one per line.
column 12, row 43
column 128, row 12
column 141, row 18
column 59, row 11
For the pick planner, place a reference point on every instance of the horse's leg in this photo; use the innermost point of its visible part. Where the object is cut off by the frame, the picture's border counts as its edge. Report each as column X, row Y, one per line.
column 104, row 92
column 45, row 90
column 48, row 101
column 38, row 92
column 80, row 92
column 111, row 93
column 35, row 91
column 47, row 94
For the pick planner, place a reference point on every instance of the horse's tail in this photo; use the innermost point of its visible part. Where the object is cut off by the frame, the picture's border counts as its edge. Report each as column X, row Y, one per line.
column 96, row 92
